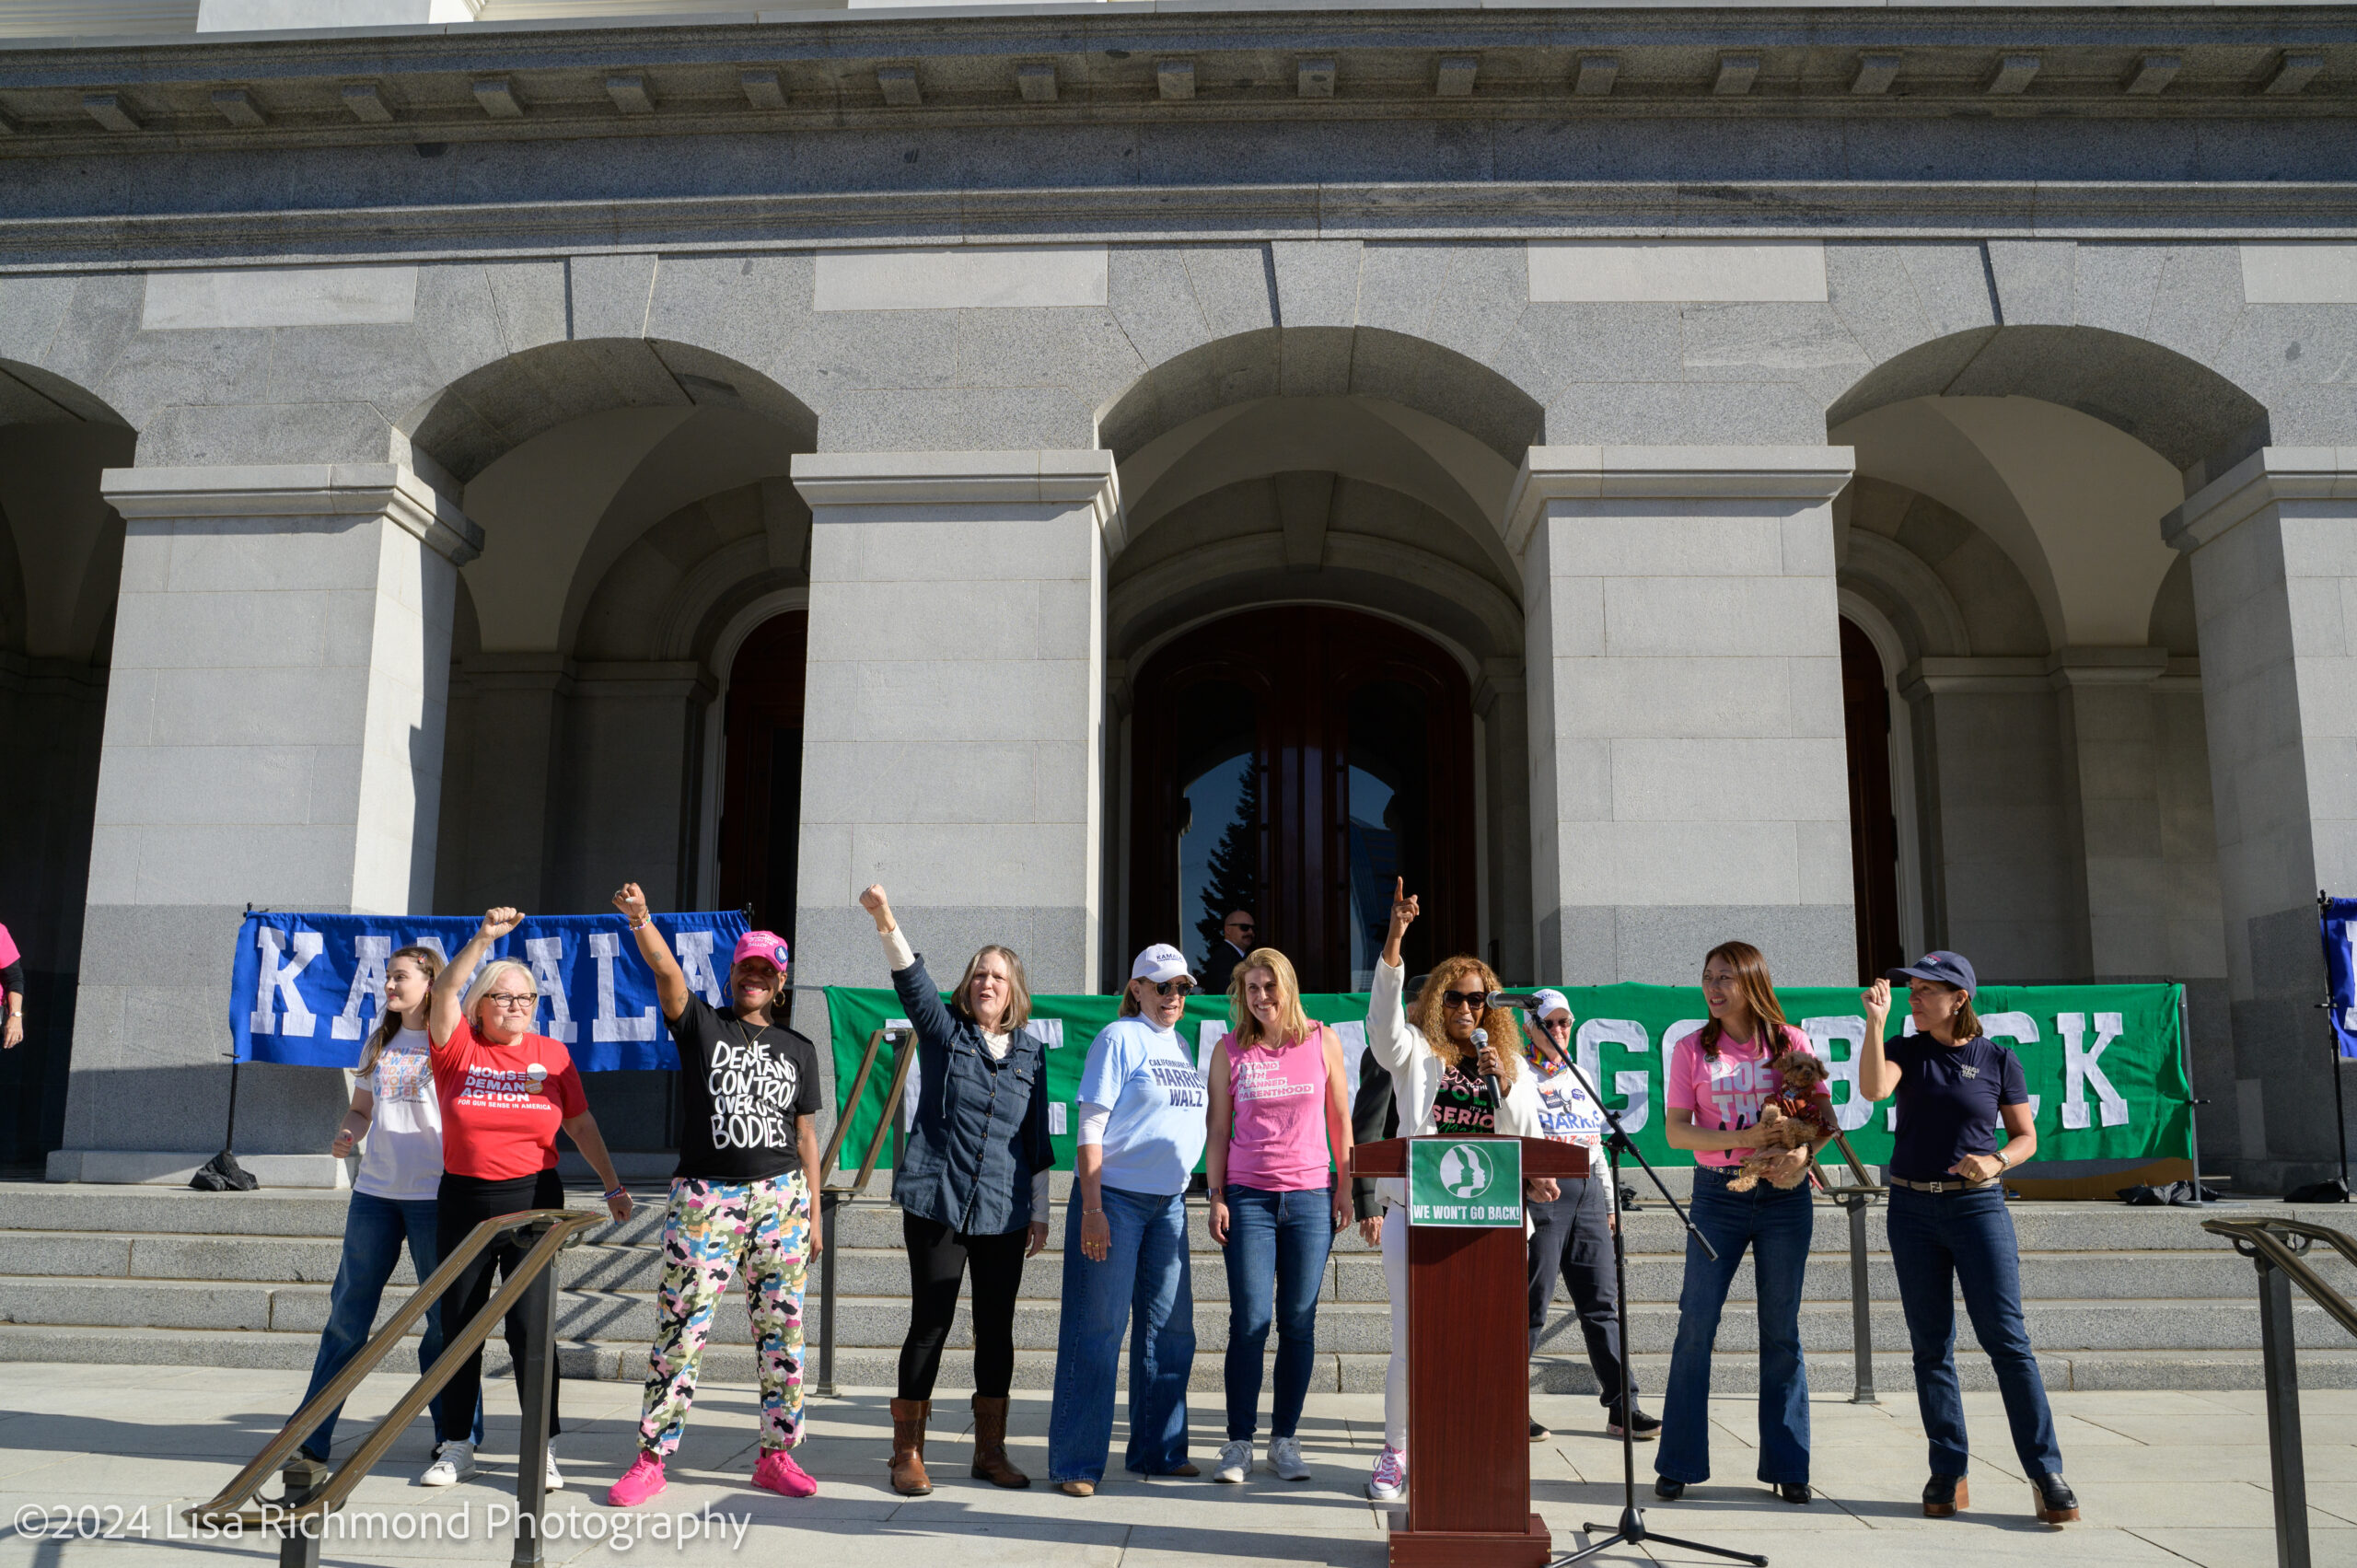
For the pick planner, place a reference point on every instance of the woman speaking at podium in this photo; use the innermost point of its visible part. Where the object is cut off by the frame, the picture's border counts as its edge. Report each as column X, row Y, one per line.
column 1438, row 1078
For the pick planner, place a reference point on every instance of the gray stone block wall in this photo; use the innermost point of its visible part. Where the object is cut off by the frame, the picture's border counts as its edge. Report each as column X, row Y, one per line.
column 1436, row 266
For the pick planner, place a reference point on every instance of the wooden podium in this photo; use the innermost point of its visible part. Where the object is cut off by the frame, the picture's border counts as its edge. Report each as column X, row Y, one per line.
column 1468, row 1378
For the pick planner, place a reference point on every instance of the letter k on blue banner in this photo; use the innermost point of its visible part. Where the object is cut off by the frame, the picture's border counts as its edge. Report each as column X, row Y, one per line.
column 2340, row 920
column 306, row 989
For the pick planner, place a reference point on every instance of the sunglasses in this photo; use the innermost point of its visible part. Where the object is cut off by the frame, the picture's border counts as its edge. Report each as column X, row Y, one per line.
column 1471, row 1001
column 1181, row 987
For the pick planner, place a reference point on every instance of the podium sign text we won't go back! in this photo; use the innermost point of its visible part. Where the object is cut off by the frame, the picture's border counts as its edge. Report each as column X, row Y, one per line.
column 1470, row 1183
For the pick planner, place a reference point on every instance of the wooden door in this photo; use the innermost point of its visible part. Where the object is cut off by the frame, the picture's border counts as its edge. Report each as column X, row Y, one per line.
column 1294, row 759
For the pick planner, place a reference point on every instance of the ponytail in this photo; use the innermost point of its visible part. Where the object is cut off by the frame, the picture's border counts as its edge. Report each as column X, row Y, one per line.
column 389, row 1023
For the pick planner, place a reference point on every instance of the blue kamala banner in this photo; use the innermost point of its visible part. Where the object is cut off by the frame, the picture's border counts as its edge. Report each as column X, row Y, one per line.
column 2339, row 920
column 306, row 988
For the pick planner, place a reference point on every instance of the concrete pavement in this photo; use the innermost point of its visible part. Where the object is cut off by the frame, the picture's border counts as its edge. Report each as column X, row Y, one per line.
column 2166, row 1480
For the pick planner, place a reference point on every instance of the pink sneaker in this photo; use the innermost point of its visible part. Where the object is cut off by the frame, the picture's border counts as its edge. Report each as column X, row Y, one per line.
column 639, row 1482
column 777, row 1472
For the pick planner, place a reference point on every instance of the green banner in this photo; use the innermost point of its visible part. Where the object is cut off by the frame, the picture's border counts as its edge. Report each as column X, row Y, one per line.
column 2105, row 1062
column 1465, row 1183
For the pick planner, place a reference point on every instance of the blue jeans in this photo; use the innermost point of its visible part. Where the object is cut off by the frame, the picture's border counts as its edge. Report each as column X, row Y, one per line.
column 1776, row 1225
column 374, row 1229
column 1277, row 1244
column 1143, row 1284
column 1941, row 1240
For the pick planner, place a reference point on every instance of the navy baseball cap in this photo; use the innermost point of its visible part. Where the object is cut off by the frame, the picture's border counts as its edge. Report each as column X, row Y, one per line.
column 1947, row 969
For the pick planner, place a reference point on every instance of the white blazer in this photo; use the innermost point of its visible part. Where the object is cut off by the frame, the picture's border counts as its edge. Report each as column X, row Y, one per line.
column 1416, row 1072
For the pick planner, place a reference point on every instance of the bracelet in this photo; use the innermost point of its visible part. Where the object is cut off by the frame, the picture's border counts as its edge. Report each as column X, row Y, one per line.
column 639, row 922
column 617, row 1192
column 1085, row 1212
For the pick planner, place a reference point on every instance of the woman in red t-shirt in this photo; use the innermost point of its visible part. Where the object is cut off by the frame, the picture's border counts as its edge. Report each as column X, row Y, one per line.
column 506, row 1093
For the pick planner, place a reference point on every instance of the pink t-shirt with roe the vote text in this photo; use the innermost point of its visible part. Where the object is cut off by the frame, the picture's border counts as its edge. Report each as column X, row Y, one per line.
column 1726, row 1091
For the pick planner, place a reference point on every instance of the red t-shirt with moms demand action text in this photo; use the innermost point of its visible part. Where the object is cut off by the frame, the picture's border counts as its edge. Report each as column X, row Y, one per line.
column 496, row 1125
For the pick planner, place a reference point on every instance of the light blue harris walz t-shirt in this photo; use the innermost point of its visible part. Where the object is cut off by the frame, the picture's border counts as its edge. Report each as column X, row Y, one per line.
column 1156, row 1134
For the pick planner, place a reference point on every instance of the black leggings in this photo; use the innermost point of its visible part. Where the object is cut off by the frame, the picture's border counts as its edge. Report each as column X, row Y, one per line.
column 464, row 1201
column 937, row 1259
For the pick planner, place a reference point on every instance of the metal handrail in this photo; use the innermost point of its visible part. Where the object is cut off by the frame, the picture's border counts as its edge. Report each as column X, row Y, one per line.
column 561, row 1229
column 1855, row 1200
column 2255, row 1238
column 2275, row 1247
column 833, row 1194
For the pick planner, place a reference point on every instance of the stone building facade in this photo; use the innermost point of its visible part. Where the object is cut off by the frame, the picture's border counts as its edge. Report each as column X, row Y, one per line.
column 1854, row 479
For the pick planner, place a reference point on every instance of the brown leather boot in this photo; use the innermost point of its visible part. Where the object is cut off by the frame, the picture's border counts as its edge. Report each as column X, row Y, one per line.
column 908, row 1447
column 990, row 1444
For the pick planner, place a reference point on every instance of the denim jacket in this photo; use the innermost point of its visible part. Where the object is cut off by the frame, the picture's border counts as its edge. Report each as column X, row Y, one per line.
column 981, row 1135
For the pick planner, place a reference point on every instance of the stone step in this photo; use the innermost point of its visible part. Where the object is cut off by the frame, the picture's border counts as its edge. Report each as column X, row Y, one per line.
column 874, row 1222
column 1348, row 1327
column 2158, row 1275
column 1348, row 1373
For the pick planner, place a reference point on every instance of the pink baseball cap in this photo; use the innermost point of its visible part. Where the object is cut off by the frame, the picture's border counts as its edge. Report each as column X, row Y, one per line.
column 766, row 945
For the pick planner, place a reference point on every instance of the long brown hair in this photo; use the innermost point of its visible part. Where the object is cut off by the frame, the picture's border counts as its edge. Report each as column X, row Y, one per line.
column 1506, row 1031
column 389, row 1023
column 1759, row 994
column 1018, row 990
column 1293, row 1024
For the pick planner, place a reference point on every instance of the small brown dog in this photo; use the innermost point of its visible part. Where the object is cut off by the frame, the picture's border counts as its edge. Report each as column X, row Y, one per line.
column 1793, row 1119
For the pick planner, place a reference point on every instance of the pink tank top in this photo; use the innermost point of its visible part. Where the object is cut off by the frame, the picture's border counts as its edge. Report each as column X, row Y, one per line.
column 1279, row 1142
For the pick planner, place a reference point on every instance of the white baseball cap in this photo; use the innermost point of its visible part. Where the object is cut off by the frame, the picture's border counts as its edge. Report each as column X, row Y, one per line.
column 1161, row 961
column 1551, row 1001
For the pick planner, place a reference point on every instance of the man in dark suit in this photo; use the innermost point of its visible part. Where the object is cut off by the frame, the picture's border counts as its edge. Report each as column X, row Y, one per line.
column 1235, row 941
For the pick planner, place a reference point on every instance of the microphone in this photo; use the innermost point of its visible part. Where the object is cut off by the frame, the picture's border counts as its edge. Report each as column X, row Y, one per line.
column 1497, row 1100
column 1527, row 1000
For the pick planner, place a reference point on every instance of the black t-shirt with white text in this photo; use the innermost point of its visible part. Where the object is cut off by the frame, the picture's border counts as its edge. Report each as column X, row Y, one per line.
column 1462, row 1103
column 744, row 1088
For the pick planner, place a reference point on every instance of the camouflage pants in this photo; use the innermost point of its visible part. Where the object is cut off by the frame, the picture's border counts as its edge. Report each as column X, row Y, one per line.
column 712, row 1232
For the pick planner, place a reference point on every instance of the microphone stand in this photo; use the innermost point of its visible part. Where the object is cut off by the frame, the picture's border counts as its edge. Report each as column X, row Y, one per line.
column 1630, row 1530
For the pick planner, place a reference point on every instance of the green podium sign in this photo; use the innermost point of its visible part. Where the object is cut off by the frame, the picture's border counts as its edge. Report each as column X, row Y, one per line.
column 1470, row 1183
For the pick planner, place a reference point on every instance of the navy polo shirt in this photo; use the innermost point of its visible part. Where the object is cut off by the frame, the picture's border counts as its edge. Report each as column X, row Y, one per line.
column 1948, row 1100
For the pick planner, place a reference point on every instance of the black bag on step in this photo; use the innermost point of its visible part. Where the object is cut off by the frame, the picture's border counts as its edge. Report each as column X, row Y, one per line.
column 222, row 1173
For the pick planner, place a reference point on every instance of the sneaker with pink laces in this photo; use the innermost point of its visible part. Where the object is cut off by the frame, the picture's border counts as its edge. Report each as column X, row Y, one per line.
column 777, row 1472
column 640, row 1481
column 1389, row 1482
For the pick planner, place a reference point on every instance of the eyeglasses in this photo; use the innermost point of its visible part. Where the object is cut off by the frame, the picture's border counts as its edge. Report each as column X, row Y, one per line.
column 511, row 999
column 1180, row 987
column 1471, row 1001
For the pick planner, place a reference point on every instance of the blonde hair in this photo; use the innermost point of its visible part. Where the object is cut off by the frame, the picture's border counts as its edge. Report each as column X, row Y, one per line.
column 1293, row 1024
column 388, row 1023
column 1018, row 1001
column 489, row 975
column 1506, row 1032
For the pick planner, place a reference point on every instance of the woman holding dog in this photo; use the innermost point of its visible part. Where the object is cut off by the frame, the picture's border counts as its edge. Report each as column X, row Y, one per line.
column 1720, row 1078
column 1948, row 1225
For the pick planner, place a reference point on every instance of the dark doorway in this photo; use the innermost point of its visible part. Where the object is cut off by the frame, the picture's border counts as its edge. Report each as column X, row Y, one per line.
column 760, row 810
column 1874, row 829
column 1293, row 761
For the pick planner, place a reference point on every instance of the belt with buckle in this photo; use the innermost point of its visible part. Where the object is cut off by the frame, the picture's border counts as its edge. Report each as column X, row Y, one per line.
column 1943, row 1185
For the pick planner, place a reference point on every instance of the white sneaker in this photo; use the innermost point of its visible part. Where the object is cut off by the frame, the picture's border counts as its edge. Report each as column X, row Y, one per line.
column 556, row 1480
column 453, row 1462
column 1284, row 1458
column 1389, row 1482
column 1235, row 1463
